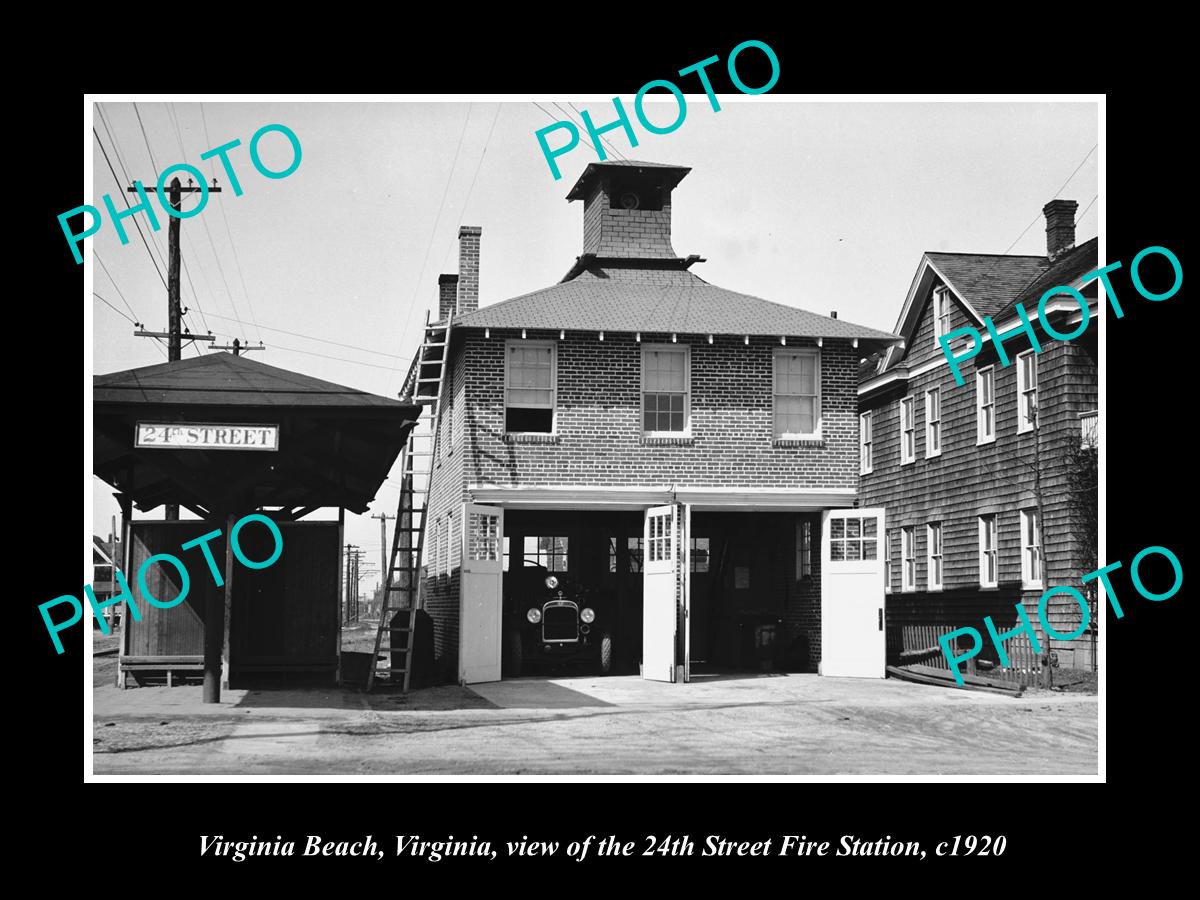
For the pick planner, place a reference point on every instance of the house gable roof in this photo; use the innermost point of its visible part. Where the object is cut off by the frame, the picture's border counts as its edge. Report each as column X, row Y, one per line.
column 608, row 295
column 985, row 285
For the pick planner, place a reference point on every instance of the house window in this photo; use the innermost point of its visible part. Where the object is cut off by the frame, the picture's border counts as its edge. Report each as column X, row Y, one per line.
column 699, row 555
column 666, row 380
column 941, row 313
column 1026, row 391
column 866, row 441
column 887, row 561
column 853, row 538
column 504, row 554
column 908, row 430
column 933, row 538
column 933, row 423
column 797, row 393
column 804, row 548
column 908, row 558
column 529, row 379
column 1031, row 556
column 987, row 551
column 547, row 551
column 985, row 405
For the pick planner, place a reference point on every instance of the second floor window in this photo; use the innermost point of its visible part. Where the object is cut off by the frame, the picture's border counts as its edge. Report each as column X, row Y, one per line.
column 797, row 393
column 1026, row 391
column 933, row 423
column 908, row 430
column 987, row 551
column 985, row 405
column 866, row 443
column 665, row 387
column 529, row 378
column 908, row 557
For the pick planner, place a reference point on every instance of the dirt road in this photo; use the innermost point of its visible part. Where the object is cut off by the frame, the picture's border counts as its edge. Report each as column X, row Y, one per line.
column 769, row 724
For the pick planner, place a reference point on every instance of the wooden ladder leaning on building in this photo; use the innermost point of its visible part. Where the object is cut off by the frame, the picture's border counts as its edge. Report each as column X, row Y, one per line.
column 402, row 593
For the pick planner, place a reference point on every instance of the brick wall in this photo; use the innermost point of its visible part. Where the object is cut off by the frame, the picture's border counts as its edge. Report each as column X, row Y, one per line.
column 447, row 493
column 609, row 231
column 969, row 480
column 599, row 435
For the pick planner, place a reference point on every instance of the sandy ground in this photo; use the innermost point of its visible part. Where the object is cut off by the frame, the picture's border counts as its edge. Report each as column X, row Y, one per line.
column 753, row 724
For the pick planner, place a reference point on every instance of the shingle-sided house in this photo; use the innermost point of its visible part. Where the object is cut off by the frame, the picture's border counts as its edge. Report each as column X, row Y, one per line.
column 959, row 469
column 673, row 444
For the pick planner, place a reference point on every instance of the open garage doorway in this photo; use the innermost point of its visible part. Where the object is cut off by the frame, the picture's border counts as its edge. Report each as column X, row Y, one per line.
column 572, row 592
column 755, row 592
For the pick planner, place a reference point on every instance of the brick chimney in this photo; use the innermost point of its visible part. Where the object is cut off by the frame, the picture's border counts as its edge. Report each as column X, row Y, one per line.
column 1060, row 227
column 468, row 268
column 447, row 296
column 627, row 208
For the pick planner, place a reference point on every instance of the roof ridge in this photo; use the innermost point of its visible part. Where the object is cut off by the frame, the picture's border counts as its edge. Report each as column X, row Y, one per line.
column 1000, row 255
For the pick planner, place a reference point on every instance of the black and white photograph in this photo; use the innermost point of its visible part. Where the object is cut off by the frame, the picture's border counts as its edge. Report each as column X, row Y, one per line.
column 472, row 437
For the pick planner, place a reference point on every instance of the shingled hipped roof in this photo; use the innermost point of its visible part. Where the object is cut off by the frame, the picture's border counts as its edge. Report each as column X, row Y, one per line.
column 658, row 301
column 229, row 380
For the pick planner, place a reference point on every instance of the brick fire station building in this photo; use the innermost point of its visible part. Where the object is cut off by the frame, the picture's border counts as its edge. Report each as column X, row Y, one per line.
column 689, row 450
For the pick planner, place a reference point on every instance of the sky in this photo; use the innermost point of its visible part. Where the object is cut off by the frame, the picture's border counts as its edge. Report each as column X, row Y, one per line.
column 821, row 205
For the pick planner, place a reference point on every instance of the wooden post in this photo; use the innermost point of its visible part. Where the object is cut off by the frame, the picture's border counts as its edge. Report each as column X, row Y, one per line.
column 214, row 629
column 227, row 608
column 126, row 505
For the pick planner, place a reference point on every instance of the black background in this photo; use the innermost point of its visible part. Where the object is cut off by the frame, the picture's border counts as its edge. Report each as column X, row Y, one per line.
column 1069, row 828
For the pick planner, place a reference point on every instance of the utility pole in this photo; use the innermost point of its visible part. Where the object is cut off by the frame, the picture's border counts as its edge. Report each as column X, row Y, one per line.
column 349, row 570
column 238, row 347
column 383, row 546
column 174, row 339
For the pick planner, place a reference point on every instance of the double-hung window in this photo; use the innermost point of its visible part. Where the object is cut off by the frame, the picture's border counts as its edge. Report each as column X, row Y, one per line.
column 797, row 402
column 908, row 557
column 933, row 540
column 985, row 405
column 941, row 313
column 1031, row 554
column 887, row 560
column 1026, row 391
column 666, row 385
column 988, row 560
column 933, row 423
column 866, row 443
column 908, row 429
column 529, row 380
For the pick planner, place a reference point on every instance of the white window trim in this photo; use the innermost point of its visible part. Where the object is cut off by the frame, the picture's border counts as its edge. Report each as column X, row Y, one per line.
column 929, row 425
column 906, row 586
column 941, row 296
column 1022, row 425
column 553, row 345
column 1026, row 582
column 983, row 582
column 817, row 418
column 905, row 460
column 980, row 438
column 687, row 392
column 929, row 557
column 866, row 443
